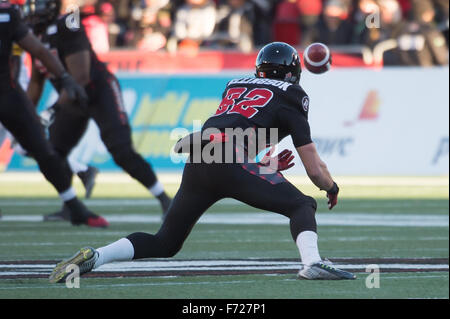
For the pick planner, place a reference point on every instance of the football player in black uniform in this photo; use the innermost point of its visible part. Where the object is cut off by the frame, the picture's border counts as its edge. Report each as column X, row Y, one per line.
column 273, row 99
column 67, row 39
column 18, row 116
column 86, row 173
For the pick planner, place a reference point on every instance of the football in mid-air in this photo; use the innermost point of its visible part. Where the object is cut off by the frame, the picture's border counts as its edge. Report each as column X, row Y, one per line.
column 317, row 58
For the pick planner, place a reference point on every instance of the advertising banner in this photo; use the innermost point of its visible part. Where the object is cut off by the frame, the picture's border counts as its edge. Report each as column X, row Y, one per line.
column 393, row 121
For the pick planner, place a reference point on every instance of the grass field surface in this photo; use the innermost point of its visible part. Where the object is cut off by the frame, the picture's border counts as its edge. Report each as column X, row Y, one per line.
column 400, row 224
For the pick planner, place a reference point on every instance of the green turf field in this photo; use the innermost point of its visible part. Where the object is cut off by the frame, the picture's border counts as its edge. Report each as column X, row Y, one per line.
column 399, row 223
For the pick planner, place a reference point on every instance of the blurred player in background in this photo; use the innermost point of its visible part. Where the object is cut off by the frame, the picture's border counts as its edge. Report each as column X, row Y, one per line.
column 275, row 100
column 18, row 116
column 20, row 76
column 66, row 38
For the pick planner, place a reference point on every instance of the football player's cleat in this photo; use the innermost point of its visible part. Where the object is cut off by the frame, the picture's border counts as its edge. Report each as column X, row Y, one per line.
column 90, row 219
column 324, row 270
column 85, row 259
column 82, row 216
column 61, row 215
column 88, row 179
column 97, row 221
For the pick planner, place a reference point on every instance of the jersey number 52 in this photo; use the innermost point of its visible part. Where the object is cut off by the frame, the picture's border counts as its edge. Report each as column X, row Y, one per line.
column 248, row 105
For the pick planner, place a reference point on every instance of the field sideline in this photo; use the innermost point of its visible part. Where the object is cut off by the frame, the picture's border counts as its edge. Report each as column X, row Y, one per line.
column 235, row 251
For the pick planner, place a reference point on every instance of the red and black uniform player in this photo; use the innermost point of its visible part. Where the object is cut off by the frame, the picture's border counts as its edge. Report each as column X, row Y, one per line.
column 248, row 104
column 67, row 39
column 227, row 169
column 17, row 114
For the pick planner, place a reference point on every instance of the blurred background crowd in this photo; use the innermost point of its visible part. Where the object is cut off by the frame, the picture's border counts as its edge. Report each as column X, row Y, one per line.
column 406, row 32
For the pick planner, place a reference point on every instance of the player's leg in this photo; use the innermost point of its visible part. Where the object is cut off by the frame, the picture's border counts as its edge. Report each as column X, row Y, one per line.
column 64, row 134
column 194, row 197
column 111, row 118
column 272, row 192
column 66, row 130
column 86, row 173
column 17, row 117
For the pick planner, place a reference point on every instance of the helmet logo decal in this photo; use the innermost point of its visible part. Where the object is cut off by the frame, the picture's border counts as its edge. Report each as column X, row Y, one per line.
column 262, row 74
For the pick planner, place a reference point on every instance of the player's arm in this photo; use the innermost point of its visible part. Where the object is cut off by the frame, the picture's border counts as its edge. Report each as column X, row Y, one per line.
column 70, row 88
column 32, row 45
column 78, row 65
column 315, row 168
column 36, row 85
column 318, row 172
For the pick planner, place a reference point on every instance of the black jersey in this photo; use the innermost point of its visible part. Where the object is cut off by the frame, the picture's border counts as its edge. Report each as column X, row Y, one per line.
column 264, row 103
column 63, row 40
column 12, row 29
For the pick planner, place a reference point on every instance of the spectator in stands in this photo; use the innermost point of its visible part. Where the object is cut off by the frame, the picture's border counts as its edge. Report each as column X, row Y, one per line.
column 286, row 24
column 334, row 27
column 234, row 26
column 364, row 10
column 390, row 19
column 310, row 11
column 194, row 23
column 155, row 25
column 442, row 17
column 96, row 28
column 264, row 18
column 421, row 42
column 108, row 15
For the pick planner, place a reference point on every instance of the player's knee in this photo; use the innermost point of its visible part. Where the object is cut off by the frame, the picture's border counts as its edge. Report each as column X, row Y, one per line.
column 171, row 250
column 122, row 154
column 46, row 156
column 62, row 150
column 306, row 203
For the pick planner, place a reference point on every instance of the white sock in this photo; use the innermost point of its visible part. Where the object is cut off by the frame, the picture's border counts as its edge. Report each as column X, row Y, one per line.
column 307, row 246
column 68, row 194
column 157, row 189
column 117, row 251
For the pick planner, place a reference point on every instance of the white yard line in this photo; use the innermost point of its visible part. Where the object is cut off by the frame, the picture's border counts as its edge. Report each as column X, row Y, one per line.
column 112, row 285
column 175, row 178
column 244, row 218
column 151, row 202
column 204, row 265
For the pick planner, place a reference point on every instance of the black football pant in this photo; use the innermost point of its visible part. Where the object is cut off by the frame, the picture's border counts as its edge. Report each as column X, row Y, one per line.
column 18, row 116
column 106, row 107
column 204, row 184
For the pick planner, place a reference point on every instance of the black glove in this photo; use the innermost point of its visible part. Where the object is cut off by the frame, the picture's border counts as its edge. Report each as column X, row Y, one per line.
column 332, row 195
column 74, row 90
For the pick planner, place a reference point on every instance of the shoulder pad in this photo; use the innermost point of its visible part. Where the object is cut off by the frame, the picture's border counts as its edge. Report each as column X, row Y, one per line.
column 299, row 98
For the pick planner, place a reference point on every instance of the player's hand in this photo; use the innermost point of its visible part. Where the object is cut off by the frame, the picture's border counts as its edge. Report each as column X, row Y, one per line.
column 332, row 195
column 73, row 89
column 285, row 159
